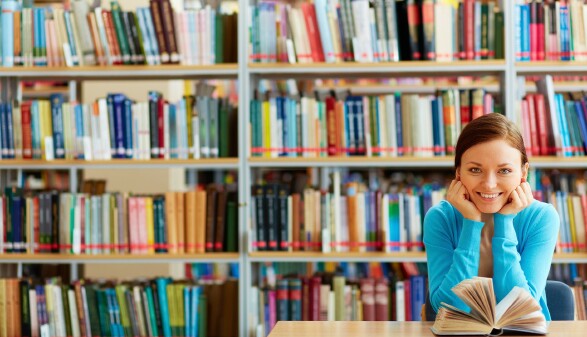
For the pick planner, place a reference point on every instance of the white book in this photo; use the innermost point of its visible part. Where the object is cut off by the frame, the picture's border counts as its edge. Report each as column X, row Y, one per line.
column 106, row 223
column 362, row 40
column 59, row 312
column 344, row 226
column 146, row 133
column 400, row 305
column 361, row 224
column 367, row 126
column 331, row 304
column 17, row 129
column 33, row 312
column 77, row 234
column 166, row 148
column 391, row 125
column 110, row 59
column 75, row 328
column 104, row 129
column 403, row 232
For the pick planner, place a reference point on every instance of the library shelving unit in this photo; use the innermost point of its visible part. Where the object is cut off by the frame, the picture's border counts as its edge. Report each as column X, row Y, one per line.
column 248, row 76
column 506, row 71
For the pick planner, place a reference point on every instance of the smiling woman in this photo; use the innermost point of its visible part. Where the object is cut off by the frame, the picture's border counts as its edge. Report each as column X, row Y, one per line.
column 490, row 225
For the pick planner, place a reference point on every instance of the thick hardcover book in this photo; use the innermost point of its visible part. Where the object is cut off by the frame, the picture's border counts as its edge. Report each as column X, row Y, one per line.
column 518, row 311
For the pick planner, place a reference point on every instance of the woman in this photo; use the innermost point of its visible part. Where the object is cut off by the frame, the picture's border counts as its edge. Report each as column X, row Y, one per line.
column 490, row 225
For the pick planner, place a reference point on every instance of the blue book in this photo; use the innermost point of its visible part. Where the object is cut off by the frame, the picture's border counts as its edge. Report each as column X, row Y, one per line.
column 349, row 118
column 115, row 121
column 194, row 319
column 562, row 122
column 418, row 295
column 69, row 31
column 152, row 313
column 10, row 130
column 321, row 7
column 398, row 125
column 163, row 305
column 128, row 126
column 4, row 130
column 281, row 121
column 360, row 126
column 9, row 7
column 438, row 127
column 79, row 130
column 17, row 223
column 565, row 33
column 57, row 120
column 36, row 130
column 173, row 148
column 187, row 311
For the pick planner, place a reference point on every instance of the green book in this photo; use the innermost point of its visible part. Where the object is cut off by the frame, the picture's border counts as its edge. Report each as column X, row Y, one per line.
column 499, row 38
column 231, row 225
column 120, row 33
column 180, row 310
column 124, row 316
column 151, row 309
column 103, row 313
column 90, row 293
column 223, row 131
column 66, row 309
column 218, row 39
column 202, row 315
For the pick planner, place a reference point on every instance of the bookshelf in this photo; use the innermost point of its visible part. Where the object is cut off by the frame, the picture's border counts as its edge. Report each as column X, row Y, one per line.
column 248, row 76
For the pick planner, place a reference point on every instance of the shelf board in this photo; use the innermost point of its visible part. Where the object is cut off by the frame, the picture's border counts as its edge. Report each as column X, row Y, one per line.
column 404, row 68
column 125, row 72
column 554, row 67
column 401, row 162
column 375, row 257
column 337, row 257
column 208, row 163
column 118, row 258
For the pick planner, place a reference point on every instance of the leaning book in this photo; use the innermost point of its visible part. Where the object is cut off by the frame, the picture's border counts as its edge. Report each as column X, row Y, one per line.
column 517, row 312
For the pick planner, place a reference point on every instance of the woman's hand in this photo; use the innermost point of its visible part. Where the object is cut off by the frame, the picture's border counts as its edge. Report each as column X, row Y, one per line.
column 519, row 199
column 458, row 196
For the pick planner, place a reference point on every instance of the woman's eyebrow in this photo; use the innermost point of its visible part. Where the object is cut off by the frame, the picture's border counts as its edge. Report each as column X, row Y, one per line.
column 478, row 164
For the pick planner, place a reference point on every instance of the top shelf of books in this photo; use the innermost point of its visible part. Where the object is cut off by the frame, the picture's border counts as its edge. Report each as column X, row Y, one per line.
column 229, row 70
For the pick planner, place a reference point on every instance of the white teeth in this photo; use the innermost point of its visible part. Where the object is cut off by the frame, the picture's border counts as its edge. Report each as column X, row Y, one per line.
column 489, row 196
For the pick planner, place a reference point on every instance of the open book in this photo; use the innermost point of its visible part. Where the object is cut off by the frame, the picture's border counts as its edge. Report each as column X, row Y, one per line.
column 518, row 311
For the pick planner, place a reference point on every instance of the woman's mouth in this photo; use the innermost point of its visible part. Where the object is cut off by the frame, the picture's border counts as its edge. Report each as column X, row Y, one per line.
column 489, row 196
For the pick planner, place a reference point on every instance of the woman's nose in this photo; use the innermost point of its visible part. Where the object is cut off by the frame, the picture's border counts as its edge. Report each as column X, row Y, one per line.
column 489, row 180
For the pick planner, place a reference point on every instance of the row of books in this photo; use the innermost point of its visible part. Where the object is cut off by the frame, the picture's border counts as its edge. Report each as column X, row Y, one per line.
column 118, row 127
column 388, row 125
column 570, row 110
column 553, row 30
column 378, row 31
column 350, row 217
column 333, row 297
column 204, row 220
column 157, row 307
column 158, row 34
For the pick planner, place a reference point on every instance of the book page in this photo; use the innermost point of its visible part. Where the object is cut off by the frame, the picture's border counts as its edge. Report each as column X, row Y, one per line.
column 474, row 293
column 453, row 321
column 519, row 308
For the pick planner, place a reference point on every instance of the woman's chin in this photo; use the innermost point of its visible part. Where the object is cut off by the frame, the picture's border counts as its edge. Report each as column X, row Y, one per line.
column 489, row 209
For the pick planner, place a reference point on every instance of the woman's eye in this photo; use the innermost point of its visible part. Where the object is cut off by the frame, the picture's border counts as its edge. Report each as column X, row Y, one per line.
column 505, row 171
column 475, row 170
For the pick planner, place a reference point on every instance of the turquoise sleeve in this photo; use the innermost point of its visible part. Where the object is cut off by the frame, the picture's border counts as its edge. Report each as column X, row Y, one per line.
column 528, row 268
column 450, row 259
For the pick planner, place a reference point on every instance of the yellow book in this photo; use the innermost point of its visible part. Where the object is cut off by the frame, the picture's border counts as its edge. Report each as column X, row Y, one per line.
column 572, row 228
column 180, row 221
column 170, row 210
column 150, row 225
column 266, row 126
column 3, row 325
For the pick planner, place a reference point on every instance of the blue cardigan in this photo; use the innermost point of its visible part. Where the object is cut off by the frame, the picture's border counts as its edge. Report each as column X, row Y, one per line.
column 522, row 245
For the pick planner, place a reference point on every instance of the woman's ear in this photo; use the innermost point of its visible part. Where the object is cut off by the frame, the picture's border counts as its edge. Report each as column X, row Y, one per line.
column 458, row 174
column 525, row 169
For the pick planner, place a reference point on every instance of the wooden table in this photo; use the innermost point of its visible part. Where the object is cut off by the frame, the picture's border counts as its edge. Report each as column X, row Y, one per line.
column 403, row 329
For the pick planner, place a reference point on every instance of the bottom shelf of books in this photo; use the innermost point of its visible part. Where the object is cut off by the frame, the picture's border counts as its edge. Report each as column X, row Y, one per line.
column 159, row 306
column 361, row 291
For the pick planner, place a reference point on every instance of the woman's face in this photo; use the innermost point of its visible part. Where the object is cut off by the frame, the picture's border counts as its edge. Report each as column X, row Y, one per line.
column 490, row 172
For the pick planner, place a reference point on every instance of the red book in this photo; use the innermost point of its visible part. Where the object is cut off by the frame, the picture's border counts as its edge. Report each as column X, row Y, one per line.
column 533, row 126
column 533, row 31
column 315, row 298
column 540, row 48
column 27, row 134
column 36, row 224
column 331, row 125
column 408, row 299
column 368, row 299
column 161, row 126
column 111, row 37
column 381, row 300
column 543, row 129
column 313, row 32
column 469, row 20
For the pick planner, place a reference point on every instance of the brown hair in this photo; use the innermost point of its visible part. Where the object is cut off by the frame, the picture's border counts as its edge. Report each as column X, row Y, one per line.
column 493, row 126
